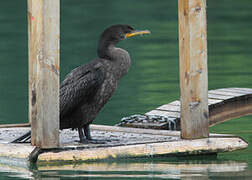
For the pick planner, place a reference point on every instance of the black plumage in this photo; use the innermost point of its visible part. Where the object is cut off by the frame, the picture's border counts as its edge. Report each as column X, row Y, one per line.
column 87, row 88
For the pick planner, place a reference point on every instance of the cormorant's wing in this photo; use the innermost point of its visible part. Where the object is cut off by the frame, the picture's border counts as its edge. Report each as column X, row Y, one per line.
column 80, row 86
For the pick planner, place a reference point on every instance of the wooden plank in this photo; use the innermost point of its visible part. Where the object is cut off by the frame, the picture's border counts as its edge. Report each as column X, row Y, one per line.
column 168, row 107
column 193, row 68
column 134, row 130
column 115, row 136
column 175, row 103
column 182, row 147
column 214, row 101
column 15, row 125
column 238, row 92
column 164, row 113
column 44, row 72
column 225, row 93
column 219, row 97
column 230, row 110
column 247, row 90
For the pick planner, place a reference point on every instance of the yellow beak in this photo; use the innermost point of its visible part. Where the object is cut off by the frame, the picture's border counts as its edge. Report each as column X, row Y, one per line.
column 135, row 33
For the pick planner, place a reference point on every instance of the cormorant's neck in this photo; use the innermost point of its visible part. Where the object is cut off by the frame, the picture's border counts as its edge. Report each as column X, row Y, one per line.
column 119, row 58
column 105, row 49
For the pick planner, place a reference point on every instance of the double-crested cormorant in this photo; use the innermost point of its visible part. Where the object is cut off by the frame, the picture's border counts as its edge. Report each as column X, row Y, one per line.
column 87, row 88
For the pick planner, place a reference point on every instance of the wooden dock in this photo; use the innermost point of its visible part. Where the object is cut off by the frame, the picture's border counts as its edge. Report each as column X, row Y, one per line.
column 119, row 142
column 131, row 142
column 223, row 104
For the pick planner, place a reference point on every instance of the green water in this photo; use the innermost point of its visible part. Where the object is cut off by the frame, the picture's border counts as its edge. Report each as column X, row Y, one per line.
column 152, row 80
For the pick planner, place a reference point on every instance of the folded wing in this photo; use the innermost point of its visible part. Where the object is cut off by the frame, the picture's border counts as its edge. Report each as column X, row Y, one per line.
column 80, row 86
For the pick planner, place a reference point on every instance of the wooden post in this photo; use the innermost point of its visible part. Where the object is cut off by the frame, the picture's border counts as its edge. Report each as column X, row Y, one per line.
column 32, row 66
column 193, row 68
column 43, row 23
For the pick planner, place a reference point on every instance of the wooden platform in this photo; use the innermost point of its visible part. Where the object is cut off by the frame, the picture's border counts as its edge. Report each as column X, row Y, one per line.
column 224, row 104
column 119, row 142
column 125, row 142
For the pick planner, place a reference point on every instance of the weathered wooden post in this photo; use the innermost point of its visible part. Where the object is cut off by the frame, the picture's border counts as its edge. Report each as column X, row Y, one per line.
column 43, row 27
column 193, row 68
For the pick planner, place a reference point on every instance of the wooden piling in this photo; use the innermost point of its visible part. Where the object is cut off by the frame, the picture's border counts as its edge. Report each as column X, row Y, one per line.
column 32, row 66
column 43, row 27
column 193, row 68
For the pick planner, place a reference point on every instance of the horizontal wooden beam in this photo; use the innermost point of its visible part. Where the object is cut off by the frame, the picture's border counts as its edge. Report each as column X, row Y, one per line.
column 15, row 125
column 182, row 147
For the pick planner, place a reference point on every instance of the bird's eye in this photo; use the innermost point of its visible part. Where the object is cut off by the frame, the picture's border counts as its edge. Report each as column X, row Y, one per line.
column 130, row 28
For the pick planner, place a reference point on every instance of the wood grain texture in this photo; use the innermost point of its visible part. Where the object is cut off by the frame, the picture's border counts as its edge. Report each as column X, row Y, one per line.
column 193, row 68
column 43, row 20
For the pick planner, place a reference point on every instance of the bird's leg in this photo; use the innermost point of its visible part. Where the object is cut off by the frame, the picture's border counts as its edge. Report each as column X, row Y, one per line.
column 87, row 132
column 81, row 135
column 89, row 139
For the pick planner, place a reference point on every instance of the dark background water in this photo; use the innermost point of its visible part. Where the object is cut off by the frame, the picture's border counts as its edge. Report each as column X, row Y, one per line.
column 154, row 75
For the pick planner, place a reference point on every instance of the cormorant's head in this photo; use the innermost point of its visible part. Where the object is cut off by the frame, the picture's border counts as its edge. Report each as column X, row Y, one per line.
column 119, row 32
column 113, row 35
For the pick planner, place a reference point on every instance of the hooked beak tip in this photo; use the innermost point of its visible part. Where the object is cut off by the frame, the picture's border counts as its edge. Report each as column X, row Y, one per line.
column 135, row 33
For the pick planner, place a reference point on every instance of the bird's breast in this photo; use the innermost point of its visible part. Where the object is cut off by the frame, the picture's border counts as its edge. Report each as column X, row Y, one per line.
column 107, row 89
column 121, row 63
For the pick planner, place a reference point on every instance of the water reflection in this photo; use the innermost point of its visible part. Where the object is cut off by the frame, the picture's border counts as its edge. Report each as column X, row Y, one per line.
column 131, row 169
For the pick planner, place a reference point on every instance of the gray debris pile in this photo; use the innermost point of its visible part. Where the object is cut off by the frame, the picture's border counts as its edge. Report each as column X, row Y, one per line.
column 172, row 123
